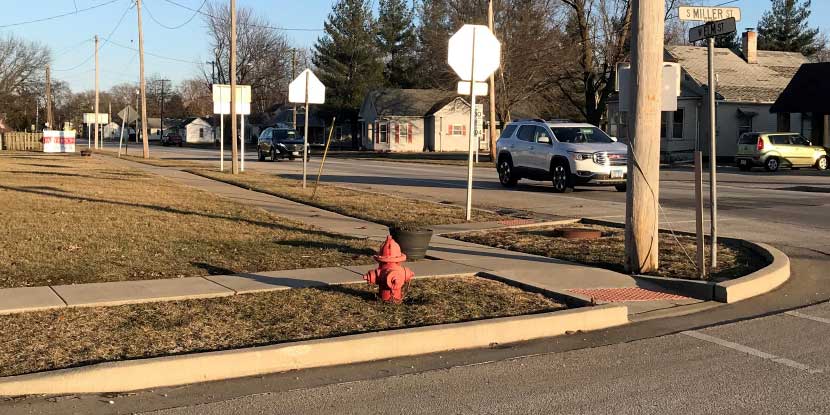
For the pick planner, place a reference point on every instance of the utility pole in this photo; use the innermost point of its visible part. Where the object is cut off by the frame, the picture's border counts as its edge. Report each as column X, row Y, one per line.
column 713, row 156
column 49, row 121
column 96, row 92
column 161, row 110
column 641, row 230
column 232, row 71
column 294, row 75
column 142, row 84
column 493, row 136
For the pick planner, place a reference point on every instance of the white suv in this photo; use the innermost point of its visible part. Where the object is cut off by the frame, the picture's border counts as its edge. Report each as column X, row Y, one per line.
column 569, row 154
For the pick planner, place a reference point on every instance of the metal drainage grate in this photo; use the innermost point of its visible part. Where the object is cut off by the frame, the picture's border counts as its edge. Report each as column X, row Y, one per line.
column 515, row 222
column 613, row 295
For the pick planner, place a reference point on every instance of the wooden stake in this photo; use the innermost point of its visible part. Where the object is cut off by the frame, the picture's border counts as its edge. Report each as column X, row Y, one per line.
column 323, row 160
column 142, row 84
column 232, row 70
column 641, row 231
column 96, row 93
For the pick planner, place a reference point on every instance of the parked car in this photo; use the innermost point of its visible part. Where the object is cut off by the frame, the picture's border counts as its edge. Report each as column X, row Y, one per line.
column 171, row 139
column 775, row 150
column 568, row 154
column 280, row 143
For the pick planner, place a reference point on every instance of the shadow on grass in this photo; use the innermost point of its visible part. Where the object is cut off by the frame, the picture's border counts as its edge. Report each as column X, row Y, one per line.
column 326, row 246
column 165, row 209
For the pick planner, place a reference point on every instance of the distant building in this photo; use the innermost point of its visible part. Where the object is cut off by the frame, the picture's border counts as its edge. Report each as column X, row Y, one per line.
column 412, row 120
column 748, row 84
column 807, row 96
column 195, row 130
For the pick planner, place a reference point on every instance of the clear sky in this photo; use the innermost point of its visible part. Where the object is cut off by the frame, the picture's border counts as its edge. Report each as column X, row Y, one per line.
column 70, row 37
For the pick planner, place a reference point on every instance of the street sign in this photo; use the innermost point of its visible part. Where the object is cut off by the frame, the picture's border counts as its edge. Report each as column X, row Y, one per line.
column 89, row 118
column 671, row 86
column 474, row 52
column 713, row 29
column 479, row 88
column 316, row 89
column 222, row 99
column 708, row 14
column 128, row 115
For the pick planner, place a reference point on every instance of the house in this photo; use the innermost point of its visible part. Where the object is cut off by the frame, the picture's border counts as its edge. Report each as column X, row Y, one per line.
column 806, row 95
column 406, row 120
column 748, row 85
column 111, row 131
column 154, row 127
column 195, row 130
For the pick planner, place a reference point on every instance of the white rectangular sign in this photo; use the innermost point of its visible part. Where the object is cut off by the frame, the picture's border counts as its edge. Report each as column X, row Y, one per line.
column 480, row 88
column 671, row 86
column 222, row 99
column 103, row 118
column 58, row 141
column 708, row 14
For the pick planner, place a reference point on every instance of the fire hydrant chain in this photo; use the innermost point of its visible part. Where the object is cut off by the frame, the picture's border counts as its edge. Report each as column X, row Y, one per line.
column 390, row 276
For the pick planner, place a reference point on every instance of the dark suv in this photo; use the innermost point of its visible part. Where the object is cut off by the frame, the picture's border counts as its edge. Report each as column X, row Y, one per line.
column 280, row 143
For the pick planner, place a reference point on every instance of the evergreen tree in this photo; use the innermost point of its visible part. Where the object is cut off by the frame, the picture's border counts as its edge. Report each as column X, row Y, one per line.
column 397, row 42
column 434, row 32
column 347, row 59
column 784, row 28
column 731, row 41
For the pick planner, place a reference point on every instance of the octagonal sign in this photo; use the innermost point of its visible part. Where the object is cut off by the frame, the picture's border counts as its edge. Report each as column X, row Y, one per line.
column 474, row 53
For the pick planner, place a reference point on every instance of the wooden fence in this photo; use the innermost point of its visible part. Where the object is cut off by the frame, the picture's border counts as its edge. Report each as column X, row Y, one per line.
column 21, row 141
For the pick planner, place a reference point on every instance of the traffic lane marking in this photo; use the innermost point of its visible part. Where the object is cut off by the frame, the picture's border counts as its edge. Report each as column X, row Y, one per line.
column 750, row 351
column 808, row 317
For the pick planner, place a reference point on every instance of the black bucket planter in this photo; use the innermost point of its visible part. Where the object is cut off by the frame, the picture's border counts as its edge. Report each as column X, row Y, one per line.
column 413, row 242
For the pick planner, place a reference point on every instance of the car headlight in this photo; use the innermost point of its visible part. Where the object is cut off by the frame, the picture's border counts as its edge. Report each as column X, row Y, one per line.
column 582, row 156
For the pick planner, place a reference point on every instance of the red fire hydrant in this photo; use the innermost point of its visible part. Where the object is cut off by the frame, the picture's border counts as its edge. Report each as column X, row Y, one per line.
column 390, row 276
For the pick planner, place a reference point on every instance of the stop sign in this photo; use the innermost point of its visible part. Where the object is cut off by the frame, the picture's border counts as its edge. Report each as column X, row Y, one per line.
column 474, row 53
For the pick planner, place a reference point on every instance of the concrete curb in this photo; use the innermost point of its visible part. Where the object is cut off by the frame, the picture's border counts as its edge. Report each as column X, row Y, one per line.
column 759, row 282
column 202, row 367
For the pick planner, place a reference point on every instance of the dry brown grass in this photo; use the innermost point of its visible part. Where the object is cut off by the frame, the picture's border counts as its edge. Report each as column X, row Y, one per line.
column 68, row 219
column 72, row 337
column 384, row 209
column 609, row 251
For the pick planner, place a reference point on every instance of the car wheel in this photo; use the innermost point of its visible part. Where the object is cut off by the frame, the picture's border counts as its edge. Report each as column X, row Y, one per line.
column 772, row 164
column 622, row 187
column 260, row 156
column 506, row 175
column 561, row 177
column 821, row 164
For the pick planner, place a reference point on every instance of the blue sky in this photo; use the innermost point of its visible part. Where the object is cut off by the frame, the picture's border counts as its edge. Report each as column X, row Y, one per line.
column 70, row 37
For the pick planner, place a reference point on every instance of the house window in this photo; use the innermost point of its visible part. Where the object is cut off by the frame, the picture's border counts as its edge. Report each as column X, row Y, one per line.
column 744, row 125
column 404, row 133
column 384, row 133
column 671, row 124
column 201, row 133
column 807, row 125
column 457, row 129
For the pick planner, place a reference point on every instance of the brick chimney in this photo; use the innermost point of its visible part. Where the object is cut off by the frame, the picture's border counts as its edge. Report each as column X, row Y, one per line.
column 750, row 45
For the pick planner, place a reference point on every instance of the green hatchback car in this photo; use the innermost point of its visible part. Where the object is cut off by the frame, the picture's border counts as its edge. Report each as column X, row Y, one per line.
column 774, row 150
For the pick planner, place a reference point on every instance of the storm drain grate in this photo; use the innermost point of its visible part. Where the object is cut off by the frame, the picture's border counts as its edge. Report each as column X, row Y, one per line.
column 515, row 222
column 613, row 295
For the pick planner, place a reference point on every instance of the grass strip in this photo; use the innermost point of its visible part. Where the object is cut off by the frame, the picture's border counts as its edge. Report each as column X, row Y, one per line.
column 65, row 338
column 609, row 251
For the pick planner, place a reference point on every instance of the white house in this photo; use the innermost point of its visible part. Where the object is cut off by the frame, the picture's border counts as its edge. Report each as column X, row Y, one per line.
column 748, row 85
column 414, row 120
column 195, row 130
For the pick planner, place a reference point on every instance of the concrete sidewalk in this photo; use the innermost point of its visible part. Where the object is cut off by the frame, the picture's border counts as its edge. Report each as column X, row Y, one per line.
column 448, row 257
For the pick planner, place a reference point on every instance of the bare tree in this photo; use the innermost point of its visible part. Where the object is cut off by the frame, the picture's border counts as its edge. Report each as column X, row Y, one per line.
column 22, row 74
column 196, row 96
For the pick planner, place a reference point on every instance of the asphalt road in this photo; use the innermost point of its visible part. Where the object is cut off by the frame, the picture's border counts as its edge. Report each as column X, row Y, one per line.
column 765, row 355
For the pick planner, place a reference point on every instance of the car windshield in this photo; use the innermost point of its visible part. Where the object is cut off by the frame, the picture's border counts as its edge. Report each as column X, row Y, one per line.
column 285, row 135
column 581, row 135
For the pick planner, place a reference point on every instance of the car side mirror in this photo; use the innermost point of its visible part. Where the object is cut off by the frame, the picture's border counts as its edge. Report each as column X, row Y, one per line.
column 543, row 140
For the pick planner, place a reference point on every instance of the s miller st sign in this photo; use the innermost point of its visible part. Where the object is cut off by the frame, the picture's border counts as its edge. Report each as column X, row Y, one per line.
column 708, row 14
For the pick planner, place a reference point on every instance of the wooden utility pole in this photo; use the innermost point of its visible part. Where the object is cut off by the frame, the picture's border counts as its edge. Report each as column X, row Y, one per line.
column 294, row 75
column 232, row 70
column 49, row 120
column 96, row 92
column 642, row 200
column 493, row 135
column 142, row 85
column 713, row 157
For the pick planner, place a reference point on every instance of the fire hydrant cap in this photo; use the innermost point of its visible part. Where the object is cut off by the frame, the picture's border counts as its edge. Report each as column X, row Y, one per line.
column 390, row 251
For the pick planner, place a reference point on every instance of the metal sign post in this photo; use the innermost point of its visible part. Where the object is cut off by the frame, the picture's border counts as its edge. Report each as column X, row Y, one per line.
column 709, row 31
column 474, row 54
column 222, row 106
column 306, row 89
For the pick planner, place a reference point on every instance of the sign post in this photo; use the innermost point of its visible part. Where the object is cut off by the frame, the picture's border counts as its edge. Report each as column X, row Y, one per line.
column 708, row 31
column 127, row 115
column 474, row 54
column 306, row 89
column 222, row 106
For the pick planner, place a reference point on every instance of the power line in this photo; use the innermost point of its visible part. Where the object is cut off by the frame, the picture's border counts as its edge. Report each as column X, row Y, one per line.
column 247, row 24
column 152, row 54
column 59, row 15
column 190, row 19
column 117, row 25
